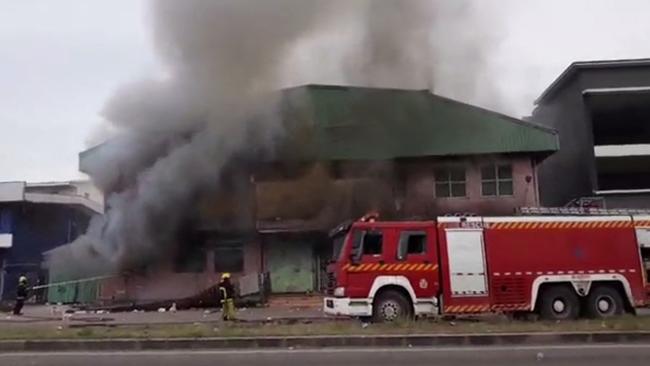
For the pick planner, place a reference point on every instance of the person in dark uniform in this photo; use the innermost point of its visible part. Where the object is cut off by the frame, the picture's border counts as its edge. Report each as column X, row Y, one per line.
column 21, row 295
column 227, row 293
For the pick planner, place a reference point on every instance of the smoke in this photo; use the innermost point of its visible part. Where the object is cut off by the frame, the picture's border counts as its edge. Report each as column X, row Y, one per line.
column 394, row 50
column 177, row 136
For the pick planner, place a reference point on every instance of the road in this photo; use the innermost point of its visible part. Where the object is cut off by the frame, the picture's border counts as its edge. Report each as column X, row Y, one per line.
column 591, row 355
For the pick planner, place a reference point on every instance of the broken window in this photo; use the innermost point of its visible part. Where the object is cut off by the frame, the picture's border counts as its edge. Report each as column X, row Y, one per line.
column 450, row 182
column 411, row 243
column 496, row 180
column 372, row 243
column 191, row 260
column 229, row 257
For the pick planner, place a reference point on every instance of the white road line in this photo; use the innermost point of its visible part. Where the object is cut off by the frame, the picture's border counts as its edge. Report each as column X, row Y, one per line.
column 336, row 350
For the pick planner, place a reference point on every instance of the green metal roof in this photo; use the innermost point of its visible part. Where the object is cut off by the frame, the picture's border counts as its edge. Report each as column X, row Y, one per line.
column 352, row 123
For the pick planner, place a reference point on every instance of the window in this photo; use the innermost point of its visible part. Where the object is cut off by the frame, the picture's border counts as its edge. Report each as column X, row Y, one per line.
column 496, row 180
column 6, row 224
column 191, row 260
column 450, row 182
column 411, row 242
column 372, row 243
column 229, row 257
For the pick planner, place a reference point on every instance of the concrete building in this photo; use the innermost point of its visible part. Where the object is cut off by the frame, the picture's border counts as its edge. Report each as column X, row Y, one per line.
column 348, row 151
column 35, row 218
column 601, row 110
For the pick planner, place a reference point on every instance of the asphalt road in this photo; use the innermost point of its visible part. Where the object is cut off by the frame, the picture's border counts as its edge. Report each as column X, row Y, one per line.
column 591, row 355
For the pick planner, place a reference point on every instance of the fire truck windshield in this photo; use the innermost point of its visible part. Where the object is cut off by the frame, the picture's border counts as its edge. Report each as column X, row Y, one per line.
column 338, row 246
column 337, row 235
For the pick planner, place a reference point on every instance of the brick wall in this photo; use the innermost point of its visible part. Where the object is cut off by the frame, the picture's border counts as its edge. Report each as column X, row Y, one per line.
column 420, row 197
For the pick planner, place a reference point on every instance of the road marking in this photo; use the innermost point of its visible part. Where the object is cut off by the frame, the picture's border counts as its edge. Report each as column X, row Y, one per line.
column 334, row 350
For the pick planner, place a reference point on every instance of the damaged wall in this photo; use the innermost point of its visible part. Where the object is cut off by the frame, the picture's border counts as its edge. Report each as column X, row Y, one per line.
column 324, row 194
column 166, row 283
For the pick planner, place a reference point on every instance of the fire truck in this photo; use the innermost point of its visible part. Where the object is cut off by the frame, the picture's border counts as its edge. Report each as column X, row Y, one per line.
column 558, row 263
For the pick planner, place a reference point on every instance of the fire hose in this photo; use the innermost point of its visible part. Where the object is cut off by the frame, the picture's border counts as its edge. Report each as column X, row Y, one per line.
column 71, row 282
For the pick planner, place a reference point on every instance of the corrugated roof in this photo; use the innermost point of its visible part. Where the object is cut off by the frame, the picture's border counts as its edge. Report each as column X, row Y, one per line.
column 352, row 123
column 575, row 66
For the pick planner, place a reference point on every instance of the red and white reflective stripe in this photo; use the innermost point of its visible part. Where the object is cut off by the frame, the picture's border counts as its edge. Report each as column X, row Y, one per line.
column 550, row 273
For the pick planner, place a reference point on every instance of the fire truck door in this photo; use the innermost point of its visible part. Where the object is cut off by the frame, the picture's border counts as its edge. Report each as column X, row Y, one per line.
column 466, row 258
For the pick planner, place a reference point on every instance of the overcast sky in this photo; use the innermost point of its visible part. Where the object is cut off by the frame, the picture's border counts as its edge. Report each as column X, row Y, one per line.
column 61, row 59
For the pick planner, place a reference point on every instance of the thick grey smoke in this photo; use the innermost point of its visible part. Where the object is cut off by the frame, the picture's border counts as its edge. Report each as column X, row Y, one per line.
column 177, row 136
column 395, row 48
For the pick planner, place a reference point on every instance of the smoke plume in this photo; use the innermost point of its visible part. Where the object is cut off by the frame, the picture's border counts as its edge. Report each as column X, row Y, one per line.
column 178, row 135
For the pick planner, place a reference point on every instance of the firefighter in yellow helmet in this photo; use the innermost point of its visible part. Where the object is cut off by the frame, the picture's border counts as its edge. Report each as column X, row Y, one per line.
column 227, row 292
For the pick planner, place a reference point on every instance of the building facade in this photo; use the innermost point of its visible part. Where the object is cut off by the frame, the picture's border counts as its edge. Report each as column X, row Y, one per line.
column 35, row 218
column 600, row 109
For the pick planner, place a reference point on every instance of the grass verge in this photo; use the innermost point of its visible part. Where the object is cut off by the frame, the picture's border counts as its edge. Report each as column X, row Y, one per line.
column 198, row 330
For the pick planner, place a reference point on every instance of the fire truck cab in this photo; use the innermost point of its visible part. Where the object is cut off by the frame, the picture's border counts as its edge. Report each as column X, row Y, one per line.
column 561, row 267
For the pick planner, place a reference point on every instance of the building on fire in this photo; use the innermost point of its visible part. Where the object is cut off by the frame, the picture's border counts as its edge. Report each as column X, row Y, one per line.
column 346, row 151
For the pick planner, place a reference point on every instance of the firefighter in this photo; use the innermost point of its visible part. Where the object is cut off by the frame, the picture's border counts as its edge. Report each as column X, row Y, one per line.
column 21, row 295
column 227, row 292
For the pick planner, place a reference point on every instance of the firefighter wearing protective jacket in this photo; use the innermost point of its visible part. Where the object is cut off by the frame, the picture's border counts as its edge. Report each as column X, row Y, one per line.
column 21, row 295
column 227, row 292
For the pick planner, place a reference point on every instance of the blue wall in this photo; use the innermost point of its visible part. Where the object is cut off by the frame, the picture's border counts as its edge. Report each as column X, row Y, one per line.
column 36, row 228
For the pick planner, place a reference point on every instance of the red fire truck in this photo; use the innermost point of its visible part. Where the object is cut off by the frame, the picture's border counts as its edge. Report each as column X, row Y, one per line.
column 559, row 266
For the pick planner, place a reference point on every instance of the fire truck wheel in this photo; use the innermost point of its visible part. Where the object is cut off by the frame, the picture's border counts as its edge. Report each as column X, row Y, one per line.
column 559, row 303
column 604, row 302
column 390, row 306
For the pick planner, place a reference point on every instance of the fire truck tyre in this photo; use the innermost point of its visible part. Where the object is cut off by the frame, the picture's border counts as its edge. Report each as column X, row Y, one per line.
column 390, row 306
column 604, row 302
column 559, row 303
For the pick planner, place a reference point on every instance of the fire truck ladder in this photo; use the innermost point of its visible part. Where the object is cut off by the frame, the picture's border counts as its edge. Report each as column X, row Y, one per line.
column 580, row 211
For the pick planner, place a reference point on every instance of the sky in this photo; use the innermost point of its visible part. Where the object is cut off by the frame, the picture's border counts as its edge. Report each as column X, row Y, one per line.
column 61, row 59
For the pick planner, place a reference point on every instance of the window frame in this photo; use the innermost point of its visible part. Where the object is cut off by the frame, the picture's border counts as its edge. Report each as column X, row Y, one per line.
column 188, row 262
column 403, row 254
column 232, row 246
column 449, row 181
column 363, row 242
column 497, row 180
